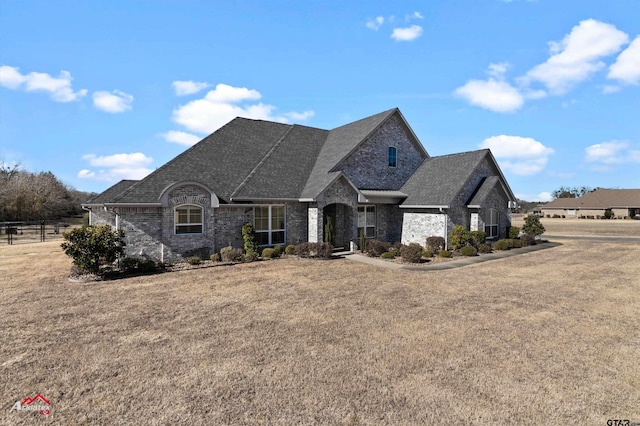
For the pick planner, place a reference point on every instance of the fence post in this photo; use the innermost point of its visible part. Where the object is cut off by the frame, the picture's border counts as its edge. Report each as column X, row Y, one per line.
column 42, row 237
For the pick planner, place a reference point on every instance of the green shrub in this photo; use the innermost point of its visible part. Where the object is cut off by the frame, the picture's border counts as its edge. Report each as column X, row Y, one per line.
column 138, row 264
column 278, row 250
column 507, row 244
column 269, row 253
column 375, row 248
column 514, row 232
column 608, row 214
column 477, row 238
column 193, row 260
column 92, row 246
column 427, row 253
column 468, row 251
column 249, row 238
column 230, row 254
column 435, row 243
column 388, row 255
column 290, row 249
column 532, row 225
column 251, row 256
column 528, row 240
column 314, row 250
column 215, row 257
column 445, row 253
column 411, row 253
column 459, row 238
column 484, row 248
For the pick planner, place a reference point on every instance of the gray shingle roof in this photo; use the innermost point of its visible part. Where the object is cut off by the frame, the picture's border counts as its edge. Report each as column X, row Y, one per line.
column 439, row 180
column 599, row 199
column 112, row 192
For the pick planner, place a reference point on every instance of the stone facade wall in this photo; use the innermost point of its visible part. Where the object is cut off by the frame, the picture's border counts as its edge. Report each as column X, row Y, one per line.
column 389, row 223
column 368, row 167
column 496, row 200
column 229, row 221
column 340, row 192
column 417, row 226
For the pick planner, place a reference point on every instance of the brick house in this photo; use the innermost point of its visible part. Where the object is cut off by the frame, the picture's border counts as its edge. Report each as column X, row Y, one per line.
column 618, row 203
column 371, row 176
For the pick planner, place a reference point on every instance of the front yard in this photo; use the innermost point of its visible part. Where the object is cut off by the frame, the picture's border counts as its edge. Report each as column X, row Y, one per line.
column 549, row 337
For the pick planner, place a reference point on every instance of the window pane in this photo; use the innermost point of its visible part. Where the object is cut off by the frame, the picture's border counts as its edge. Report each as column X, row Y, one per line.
column 262, row 238
column 361, row 217
column 277, row 237
column 371, row 216
column 277, row 218
column 392, row 156
column 189, row 229
column 195, row 216
column 181, row 216
column 262, row 218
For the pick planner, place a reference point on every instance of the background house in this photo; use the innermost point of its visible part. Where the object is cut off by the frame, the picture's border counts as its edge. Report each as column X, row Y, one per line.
column 372, row 176
column 620, row 203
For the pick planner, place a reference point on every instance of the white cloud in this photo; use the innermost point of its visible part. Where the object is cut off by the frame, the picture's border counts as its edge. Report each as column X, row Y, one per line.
column 182, row 138
column 627, row 67
column 612, row 152
column 114, row 102
column 417, row 15
column 375, row 24
column 407, row 33
column 223, row 104
column 608, row 89
column 542, row 196
column 59, row 88
column 520, row 156
column 491, row 94
column 188, row 87
column 577, row 56
column 498, row 70
column 116, row 167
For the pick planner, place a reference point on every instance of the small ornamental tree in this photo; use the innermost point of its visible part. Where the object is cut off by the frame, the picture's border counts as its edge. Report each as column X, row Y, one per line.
column 249, row 237
column 532, row 225
column 93, row 246
column 459, row 238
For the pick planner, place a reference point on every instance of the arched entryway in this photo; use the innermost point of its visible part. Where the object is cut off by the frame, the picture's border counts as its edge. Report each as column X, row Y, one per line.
column 337, row 224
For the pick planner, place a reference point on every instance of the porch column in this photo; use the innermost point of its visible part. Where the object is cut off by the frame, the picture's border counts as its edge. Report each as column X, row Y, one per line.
column 314, row 225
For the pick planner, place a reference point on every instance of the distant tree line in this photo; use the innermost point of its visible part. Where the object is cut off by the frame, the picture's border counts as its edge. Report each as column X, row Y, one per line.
column 575, row 192
column 27, row 196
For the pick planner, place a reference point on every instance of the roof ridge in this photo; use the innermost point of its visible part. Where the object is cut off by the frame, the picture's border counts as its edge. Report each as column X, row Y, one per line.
column 260, row 163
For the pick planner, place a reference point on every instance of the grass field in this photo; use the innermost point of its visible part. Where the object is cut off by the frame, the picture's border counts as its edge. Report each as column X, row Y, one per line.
column 549, row 337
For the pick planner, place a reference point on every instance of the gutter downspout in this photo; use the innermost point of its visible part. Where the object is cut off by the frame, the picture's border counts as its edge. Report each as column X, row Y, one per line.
column 88, row 209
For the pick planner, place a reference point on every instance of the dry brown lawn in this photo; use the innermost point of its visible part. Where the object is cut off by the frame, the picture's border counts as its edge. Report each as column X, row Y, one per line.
column 548, row 337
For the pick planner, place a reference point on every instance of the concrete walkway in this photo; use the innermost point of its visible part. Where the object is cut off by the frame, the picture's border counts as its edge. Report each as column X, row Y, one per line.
column 457, row 263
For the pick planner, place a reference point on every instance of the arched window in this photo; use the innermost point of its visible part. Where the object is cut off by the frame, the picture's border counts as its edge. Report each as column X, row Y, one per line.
column 393, row 156
column 188, row 219
column 491, row 223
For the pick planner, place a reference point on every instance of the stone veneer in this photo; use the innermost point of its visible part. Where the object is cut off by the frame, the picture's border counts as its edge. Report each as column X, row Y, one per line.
column 368, row 167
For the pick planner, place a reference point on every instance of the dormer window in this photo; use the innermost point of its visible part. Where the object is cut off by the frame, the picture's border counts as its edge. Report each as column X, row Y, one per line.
column 393, row 156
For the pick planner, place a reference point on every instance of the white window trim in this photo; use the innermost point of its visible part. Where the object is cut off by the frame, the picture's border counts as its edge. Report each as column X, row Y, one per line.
column 176, row 224
column 494, row 221
column 270, row 231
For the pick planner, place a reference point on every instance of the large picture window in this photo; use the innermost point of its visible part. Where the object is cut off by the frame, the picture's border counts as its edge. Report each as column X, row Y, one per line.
column 188, row 220
column 269, row 225
column 491, row 223
column 367, row 221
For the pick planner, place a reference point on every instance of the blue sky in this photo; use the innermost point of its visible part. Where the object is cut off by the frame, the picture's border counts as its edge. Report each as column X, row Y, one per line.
column 98, row 91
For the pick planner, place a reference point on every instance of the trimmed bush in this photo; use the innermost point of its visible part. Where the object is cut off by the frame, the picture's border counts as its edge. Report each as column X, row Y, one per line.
column 528, row 240
column 249, row 238
column 459, row 238
column 435, row 243
column 193, row 260
column 314, row 250
column 477, row 238
column 445, row 253
column 290, row 249
column 532, row 225
column 507, row 244
column 484, row 248
column 230, row 254
column 251, row 256
column 269, row 253
column 375, row 248
column 411, row 253
column 93, row 246
column 138, row 264
column 427, row 253
column 514, row 232
column 388, row 255
column 278, row 250
column 215, row 257
column 468, row 251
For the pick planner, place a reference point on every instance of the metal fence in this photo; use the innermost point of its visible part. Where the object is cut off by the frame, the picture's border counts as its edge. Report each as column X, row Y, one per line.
column 32, row 232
